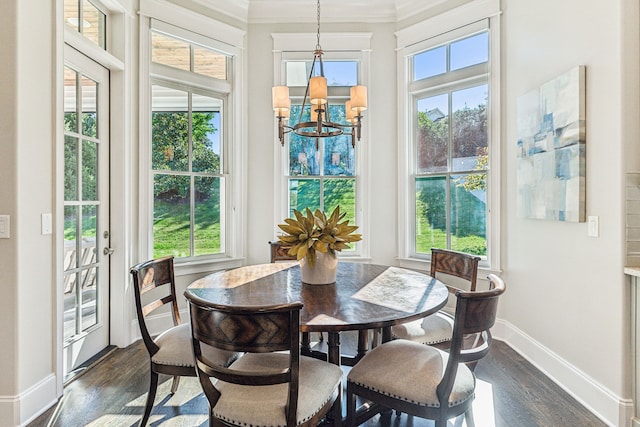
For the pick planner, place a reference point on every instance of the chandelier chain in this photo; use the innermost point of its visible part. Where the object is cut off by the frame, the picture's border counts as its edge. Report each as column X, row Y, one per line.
column 318, row 32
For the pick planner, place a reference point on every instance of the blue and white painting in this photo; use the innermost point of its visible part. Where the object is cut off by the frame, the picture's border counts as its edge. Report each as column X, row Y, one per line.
column 551, row 149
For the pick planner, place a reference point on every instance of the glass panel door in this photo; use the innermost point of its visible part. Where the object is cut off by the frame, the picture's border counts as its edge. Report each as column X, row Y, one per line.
column 86, row 209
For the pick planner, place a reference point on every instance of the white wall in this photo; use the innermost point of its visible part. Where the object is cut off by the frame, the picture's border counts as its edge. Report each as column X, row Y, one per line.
column 8, row 202
column 27, row 276
column 566, row 292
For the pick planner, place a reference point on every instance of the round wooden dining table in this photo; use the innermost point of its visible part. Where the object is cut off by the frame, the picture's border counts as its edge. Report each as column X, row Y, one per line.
column 365, row 296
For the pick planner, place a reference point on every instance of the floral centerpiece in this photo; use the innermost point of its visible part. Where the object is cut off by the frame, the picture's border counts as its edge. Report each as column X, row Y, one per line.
column 315, row 238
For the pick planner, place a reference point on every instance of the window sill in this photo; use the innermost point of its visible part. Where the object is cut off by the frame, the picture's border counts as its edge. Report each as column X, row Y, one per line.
column 210, row 265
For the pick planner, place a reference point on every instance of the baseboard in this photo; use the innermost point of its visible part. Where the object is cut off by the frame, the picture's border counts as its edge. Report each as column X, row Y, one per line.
column 602, row 402
column 22, row 409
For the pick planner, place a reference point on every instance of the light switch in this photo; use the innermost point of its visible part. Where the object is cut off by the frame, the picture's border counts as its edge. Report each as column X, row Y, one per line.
column 5, row 226
column 46, row 223
column 593, row 226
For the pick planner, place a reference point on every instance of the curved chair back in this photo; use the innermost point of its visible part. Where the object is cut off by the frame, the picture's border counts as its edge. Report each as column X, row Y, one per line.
column 454, row 263
column 250, row 330
column 475, row 313
column 148, row 276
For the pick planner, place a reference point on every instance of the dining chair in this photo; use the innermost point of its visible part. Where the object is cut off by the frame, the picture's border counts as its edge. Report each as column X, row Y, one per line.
column 437, row 329
column 271, row 384
column 170, row 352
column 422, row 380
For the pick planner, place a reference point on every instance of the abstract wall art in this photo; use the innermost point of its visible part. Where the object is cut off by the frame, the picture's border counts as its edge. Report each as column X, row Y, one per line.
column 551, row 149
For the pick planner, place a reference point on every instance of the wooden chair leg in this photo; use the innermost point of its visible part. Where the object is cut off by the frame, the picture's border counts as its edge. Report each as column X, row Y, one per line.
column 174, row 384
column 151, row 397
column 351, row 408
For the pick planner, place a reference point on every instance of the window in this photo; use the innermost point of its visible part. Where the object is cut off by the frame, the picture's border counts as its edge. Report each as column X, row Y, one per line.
column 450, row 116
column 451, row 141
column 85, row 17
column 188, row 184
column 190, row 92
column 328, row 172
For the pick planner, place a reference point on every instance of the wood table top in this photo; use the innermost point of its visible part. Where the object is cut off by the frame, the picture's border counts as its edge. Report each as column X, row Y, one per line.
column 364, row 296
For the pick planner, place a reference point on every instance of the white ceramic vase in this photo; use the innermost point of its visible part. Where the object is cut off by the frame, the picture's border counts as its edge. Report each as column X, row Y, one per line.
column 323, row 271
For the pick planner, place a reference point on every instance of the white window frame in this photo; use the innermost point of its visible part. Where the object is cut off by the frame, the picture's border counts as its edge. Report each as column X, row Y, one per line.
column 417, row 38
column 194, row 28
column 351, row 46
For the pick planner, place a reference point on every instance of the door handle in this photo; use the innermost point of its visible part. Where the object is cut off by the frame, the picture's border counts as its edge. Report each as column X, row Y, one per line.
column 108, row 251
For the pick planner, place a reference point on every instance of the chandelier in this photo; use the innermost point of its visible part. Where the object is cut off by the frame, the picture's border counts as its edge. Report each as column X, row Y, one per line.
column 321, row 125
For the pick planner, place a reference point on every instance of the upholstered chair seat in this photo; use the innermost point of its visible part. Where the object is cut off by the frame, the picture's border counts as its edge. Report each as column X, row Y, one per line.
column 265, row 406
column 174, row 349
column 431, row 330
column 417, row 372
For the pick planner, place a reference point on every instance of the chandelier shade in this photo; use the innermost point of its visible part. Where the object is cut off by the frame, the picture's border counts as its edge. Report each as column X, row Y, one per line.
column 317, row 97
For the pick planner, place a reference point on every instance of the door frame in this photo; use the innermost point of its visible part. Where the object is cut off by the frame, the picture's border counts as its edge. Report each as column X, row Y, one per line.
column 121, row 25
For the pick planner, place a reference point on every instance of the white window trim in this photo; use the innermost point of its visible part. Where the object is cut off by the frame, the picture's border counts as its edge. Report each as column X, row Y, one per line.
column 284, row 44
column 229, row 40
column 414, row 39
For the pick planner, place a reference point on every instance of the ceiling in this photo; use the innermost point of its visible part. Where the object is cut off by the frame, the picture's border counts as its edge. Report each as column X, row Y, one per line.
column 284, row 11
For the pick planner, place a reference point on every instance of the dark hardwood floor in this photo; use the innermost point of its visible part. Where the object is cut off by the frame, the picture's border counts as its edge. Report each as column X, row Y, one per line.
column 510, row 393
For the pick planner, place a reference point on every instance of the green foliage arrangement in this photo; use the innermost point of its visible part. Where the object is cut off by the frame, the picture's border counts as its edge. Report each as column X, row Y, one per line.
column 306, row 234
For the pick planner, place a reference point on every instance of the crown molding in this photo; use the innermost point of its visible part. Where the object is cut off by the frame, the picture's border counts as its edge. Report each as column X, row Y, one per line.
column 331, row 11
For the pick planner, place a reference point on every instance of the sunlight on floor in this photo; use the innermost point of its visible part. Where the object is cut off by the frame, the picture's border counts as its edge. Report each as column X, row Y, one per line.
column 483, row 406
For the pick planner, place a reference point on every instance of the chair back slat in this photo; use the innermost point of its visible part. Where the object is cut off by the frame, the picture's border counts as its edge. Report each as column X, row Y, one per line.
column 475, row 313
column 456, row 264
column 261, row 332
column 148, row 276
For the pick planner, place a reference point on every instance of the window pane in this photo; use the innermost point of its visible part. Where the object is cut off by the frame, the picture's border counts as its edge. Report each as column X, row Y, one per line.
column 89, row 107
column 469, row 213
column 70, row 100
column 340, row 73
column 170, row 129
column 431, row 214
column 70, row 168
column 304, row 193
column 89, row 233
column 89, row 298
column 303, row 156
column 89, row 170
column 70, row 236
column 206, row 134
column 171, row 216
column 169, row 51
column 70, row 302
column 470, row 51
column 469, row 127
column 72, row 13
column 430, row 63
column 337, row 73
column 207, row 211
column 93, row 24
column 433, row 134
column 341, row 192
column 339, row 156
column 209, row 63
